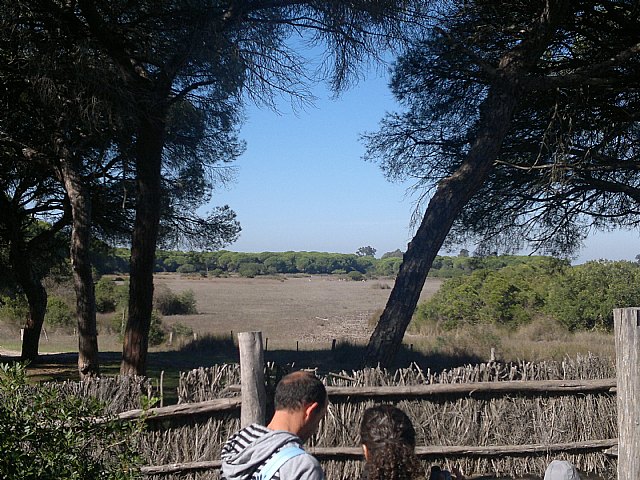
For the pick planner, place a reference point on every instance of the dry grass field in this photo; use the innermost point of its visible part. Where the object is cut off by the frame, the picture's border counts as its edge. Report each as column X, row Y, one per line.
column 306, row 313
column 309, row 310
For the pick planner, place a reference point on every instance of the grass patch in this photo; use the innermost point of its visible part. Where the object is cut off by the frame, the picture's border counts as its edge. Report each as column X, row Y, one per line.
column 541, row 339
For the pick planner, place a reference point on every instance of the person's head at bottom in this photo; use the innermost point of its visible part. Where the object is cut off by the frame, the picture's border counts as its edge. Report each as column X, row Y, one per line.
column 388, row 442
column 561, row 470
column 300, row 402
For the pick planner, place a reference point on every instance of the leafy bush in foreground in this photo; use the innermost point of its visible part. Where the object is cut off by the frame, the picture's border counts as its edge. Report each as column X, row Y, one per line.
column 47, row 435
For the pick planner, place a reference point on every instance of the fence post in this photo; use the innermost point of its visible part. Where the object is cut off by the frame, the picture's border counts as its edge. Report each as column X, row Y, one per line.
column 254, row 396
column 627, row 332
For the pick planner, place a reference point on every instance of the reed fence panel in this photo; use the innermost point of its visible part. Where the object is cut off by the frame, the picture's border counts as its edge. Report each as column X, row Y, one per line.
column 481, row 426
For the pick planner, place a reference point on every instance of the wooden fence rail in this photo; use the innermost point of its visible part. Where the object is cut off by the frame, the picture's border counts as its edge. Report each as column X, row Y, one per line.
column 629, row 390
column 566, row 387
column 433, row 451
column 178, row 411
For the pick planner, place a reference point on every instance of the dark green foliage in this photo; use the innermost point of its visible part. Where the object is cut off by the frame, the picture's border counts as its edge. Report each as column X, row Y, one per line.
column 355, row 276
column 249, row 270
column 186, row 268
column 47, row 435
column 106, row 259
column 396, row 254
column 14, row 309
column 59, row 313
column 367, row 251
column 580, row 297
column 585, row 296
column 181, row 330
column 388, row 266
column 109, row 296
column 156, row 331
column 272, row 263
column 170, row 303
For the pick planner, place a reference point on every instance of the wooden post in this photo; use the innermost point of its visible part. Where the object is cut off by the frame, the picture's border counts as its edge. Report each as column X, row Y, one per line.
column 254, row 396
column 627, row 331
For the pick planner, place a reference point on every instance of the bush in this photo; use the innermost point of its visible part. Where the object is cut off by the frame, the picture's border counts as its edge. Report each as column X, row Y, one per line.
column 216, row 272
column 170, row 303
column 109, row 295
column 355, row 276
column 186, row 268
column 249, row 270
column 14, row 310
column 59, row 314
column 585, row 296
column 47, row 435
column 156, row 332
column 181, row 330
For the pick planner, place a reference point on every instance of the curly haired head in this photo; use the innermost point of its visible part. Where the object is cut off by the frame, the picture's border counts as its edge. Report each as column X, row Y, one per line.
column 390, row 440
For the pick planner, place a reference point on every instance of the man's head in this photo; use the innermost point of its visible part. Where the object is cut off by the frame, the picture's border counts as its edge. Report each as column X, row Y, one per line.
column 301, row 402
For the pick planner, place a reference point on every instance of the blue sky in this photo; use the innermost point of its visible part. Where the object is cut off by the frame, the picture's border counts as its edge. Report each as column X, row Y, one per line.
column 302, row 184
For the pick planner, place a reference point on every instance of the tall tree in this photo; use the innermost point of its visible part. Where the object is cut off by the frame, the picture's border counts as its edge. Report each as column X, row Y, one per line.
column 60, row 84
column 64, row 127
column 490, row 85
column 209, row 53
column 32, row 247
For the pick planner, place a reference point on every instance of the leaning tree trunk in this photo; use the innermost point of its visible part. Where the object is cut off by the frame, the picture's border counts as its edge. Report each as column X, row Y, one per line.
column 80, row 200
column 143, row 245
column 451, row 196
column 455, row 191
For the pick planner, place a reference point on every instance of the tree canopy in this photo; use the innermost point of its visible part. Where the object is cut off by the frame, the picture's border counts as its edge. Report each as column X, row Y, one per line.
column 155, row 90
column 519, row 128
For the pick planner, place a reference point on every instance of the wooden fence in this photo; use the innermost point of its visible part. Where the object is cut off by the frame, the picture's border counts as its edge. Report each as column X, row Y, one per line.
column 340, row 395
column 512, row 422
column 498, row 425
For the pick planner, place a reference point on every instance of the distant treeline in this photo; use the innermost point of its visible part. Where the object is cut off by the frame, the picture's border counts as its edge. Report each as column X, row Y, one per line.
column 116, row 260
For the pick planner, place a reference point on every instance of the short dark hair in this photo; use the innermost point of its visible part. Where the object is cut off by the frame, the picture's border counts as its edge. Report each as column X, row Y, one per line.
column 298, row 389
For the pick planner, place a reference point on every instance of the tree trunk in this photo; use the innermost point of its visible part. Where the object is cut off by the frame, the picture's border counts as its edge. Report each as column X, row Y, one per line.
column 143, row 245
column 37, row 300
column 80, row 200
column 448, row 201
column 26, row 277
column 455, row 191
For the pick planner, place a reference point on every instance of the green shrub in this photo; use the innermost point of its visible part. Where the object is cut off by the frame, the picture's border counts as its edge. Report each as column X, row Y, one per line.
column 170, row 303
column 186, row 268
column 14, row 310
column 59, row 313
column 109, row 296
column 249, row 269
column 156, row 332
column 181, row 330
column 585, row 296
column 47, row 435
column 355, row 276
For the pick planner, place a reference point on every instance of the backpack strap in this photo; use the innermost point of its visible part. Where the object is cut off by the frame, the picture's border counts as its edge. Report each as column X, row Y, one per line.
column 274, row 463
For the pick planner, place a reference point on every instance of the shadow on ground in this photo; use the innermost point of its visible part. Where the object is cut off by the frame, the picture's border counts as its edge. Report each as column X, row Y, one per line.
column 216, row 350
